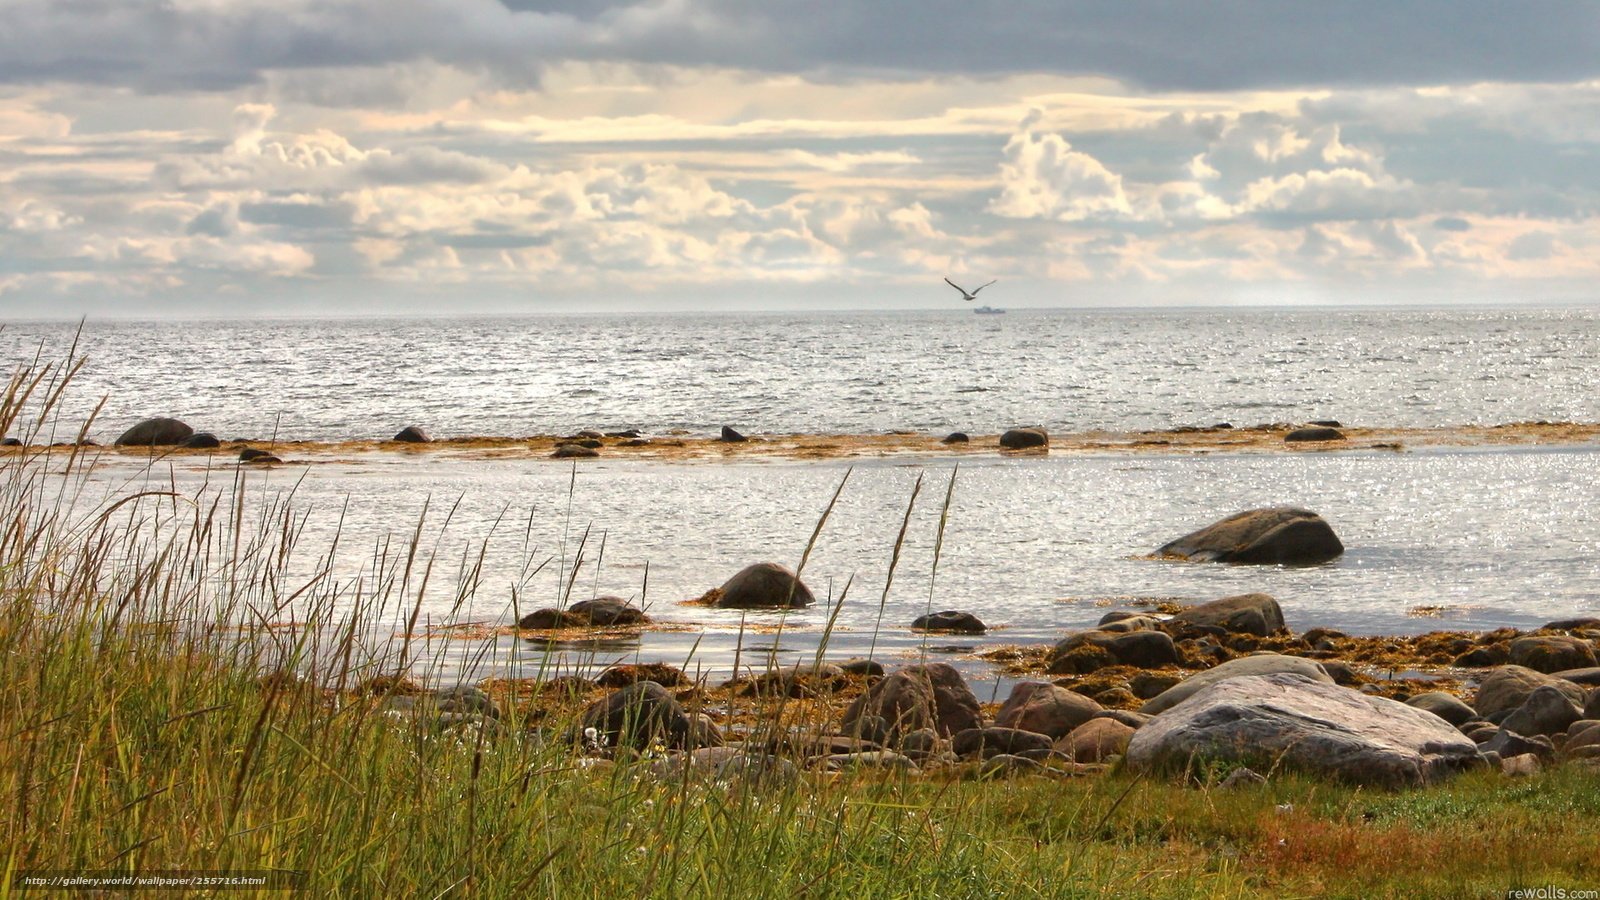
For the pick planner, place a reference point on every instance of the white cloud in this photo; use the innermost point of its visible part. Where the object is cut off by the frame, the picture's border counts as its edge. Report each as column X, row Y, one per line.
column 1044, row 178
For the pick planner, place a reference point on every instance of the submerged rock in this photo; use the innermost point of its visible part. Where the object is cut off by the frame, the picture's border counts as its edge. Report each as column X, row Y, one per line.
column 1311, row 726
column 202, row 440
column 1274, row 535
column 411, row 434
column 156, row 432
column 1313, row 434
column 950, row 620
column 764, row 584
column 729, row 436
column 956, row 437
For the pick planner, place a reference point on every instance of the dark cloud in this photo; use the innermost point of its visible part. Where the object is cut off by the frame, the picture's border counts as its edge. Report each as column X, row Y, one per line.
column 1451, row 223
column 1162, row 44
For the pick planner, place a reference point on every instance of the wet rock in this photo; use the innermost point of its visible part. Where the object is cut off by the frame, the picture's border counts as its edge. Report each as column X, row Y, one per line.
column 1341, row 672
column 1546, row 711
column 1146, row 685
column 1579, row 624
column 1257, row 614
column 1508, row 687
column 1096, row 740
column 1552, row 652
column 158, row 432
column 1314, row 636
column 638, row 716
column 1289, row 719
column 996, row 739
column 1313, row 434
column 633, row 673
column 549, row 618
column 1129, row 623
column 764, row 585
column 915, row 697
column 607, row 611
column 951, row 620
column 1445, row 706
column 1325, row 423
column 1483, row 657
column 11, row 442
column 201, row 440
column 1259, row 664
column 729, row 436
column 1142, row 649
column 1024, row 438
column 862, row 668
column 251, row 454
column 573, row 451
column 1274, row 535
column 1046, row 709
column 956, row 437
column 411, row 434
column 628, row 433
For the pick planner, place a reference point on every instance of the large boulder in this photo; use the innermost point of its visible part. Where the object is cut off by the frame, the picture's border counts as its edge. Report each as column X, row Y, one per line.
column 1588, row 676
column 1024, row 439
column 1547, row 711
column 764, row 585
column 1143, row 649
column 1445, row 706
column 607, row 611
column 1591, row 709
column 411, row 434
column 638, row 716
column 1256, row 614
column 1275, row 535
column 1045, row 708
column 916, row 697
column 1552, row 652
column 951, row 620
column 1257, row 664
column 995, row 740
column 1096, row 739
column 160, row 432
column 1265, row 721
column 1506, row 688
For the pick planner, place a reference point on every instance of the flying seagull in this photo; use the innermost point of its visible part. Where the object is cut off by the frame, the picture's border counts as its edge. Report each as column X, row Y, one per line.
column 966, row 294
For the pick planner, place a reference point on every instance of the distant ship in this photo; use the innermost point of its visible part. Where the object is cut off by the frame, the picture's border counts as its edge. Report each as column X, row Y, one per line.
column 989, row 311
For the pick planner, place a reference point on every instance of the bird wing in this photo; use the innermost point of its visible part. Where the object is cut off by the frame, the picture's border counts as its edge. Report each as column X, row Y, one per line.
column 957, row 287
column 981, row 287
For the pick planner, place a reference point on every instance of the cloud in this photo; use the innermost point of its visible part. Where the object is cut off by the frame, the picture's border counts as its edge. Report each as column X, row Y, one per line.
column 1042, row 177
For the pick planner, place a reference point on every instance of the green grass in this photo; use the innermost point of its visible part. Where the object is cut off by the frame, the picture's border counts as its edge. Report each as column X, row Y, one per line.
column 136, row 734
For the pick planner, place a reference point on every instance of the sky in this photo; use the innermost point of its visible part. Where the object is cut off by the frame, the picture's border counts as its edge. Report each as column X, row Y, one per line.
column 304, row 157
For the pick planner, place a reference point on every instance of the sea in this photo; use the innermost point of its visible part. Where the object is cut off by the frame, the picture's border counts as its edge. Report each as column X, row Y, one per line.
column 1471, row 537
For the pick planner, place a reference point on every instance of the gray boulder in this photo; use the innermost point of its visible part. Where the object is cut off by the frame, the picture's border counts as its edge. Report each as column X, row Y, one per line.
column 1552, row 652
column 1291, row 720
column 1546, row 711
column 1445, row 706
column 916, row 697
column 607, row 611
column 637, row 716
column 951, row 620
column 1258, row 664
column 1256, row 614
column 764, row 585
column 1506, row 688
column 159, row 432
column 1046, row 709
column 1275, row 535
column 1143, row 649
column 1024, row 439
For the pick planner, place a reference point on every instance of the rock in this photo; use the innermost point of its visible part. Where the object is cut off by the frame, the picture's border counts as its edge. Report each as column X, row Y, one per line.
column 1507, row 687
column 1591, row 709
column 1096, row 740
column 1578, row 624
column 618, row 676
column 1588, row 677
column 626, row 433
column 1256, row 614
column 1483, row 657
column 201, row 440
column 1081, row 660
column 1274, row 535
column 920, row 743
column 637, row 716
column 1128, row 717
column 155, row 432
column 11, row 442
column 1142, row 649
column 871, row 759
column 411, row 434
column 956, row 437
column 1445, row 706
column 996, row 739
column 1521, row 766
column 1315, row 636
column 1007, row 765
column 916, row 697
column 467, row 699
column 1044, row 708
column 573, row 451
column 1242, row 777
column 703, row 732
column 1508, row 743
column 1258, row 664
column 862, row 668
column 1582, row 733
column 1289, row 719
column 1325, row 423
column 607, row 611
column 763, row 585
column 1552, row 652
column 1341, row 672
column 1546, row 711
column 950, row 620
column 729, row 436
column 1024, row 438
column 548, row 618
column 758, row 768
column 1127, row 623
column 1314, row 433
column 252, row 455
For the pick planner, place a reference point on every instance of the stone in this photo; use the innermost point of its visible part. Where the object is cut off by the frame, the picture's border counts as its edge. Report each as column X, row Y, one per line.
column 607, row 611
column 1341, row 672
column 920, row 743
column 1257, row 614
column 729, row 436
column 1130, row 623
column 996, row 739
column 1483, row 657
column 1128, row 717
column 573, row 451
column 1584, row 623
column 1258, row 664
column 11, row 442
column 1546, row 711
column 1044, row 708
column 1552, row 652
column 915, row 697
column 956, row 437
column 1296, row 721
column 951, row 620
column 1445, row 706
column 251, row 454
column 1508, row 743
column 467, row 699
column 1580, row 734
column 1312, row 434
column 1080, row 660
column 1024, row 439
column 759, row 768
column 548, row 618
column 1146, row 685
column 158, row 432
column 201, row 440
column 1588, row 677
column 1141, row 649
column 1242, row 777
column 638, row 716
column 1096, row 740
column 1007, row 765
column 411, row 434
column 764, row 585
column 703, row 732
column 1521, row 766
column 862, row 668
column 1506, row 688
column 871, row 759
column 1591, row 709
column 1274, row 535
column 1325, row 423
column 618, row 676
